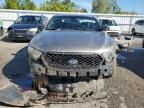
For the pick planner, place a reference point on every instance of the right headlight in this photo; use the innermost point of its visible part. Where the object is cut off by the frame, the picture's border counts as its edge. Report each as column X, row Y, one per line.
column 33, row 30
column 108, row 56
column 34, row 53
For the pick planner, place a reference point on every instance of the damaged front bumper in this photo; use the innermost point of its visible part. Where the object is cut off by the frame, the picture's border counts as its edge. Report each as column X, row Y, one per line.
column 68, row 81
column 38, row 67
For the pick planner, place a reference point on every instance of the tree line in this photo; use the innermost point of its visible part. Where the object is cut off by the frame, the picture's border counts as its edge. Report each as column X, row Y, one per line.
column 98, row 6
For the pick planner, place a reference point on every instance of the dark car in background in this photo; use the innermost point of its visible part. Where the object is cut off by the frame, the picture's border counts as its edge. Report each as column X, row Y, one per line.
column 26, row 27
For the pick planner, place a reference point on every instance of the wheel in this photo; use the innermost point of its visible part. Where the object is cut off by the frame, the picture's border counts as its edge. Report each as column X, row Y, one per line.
column 40, row 81
column 133, row 32
column 1, row 32
column 114, row 68
column 115, row 64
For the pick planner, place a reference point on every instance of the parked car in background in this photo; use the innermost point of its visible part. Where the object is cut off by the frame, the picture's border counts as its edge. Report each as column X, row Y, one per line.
column 26, row 27
column 1, row 28
column 110, row 26
column 71, row 46
column 138, row 27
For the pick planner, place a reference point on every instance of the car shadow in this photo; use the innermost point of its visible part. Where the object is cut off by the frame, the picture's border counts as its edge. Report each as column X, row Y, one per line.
column 17, row 70
column 133, row 60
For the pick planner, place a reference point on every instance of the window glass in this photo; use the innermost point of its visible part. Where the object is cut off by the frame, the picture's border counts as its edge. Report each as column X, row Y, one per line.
column 28, row 19
column 109, row 22
column 74, row 22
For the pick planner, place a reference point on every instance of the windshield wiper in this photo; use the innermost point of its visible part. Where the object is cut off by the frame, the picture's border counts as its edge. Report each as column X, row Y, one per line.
column 53, row 29
column 84, row 29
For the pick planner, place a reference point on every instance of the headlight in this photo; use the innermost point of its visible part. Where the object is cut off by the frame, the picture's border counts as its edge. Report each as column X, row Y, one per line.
column 108, row 56
column 33, row 29
column 34, row 53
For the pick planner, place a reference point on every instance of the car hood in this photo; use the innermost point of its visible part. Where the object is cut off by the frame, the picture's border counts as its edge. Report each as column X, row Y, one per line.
column 114, row 28
column 71, row 41
column 23, row 26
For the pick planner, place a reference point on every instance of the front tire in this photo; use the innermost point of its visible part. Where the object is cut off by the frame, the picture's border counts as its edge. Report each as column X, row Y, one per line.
column 133, row 32
column 115, row 63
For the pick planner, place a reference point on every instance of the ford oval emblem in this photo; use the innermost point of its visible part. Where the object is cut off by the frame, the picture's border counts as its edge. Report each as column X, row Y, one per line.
column 73, row 61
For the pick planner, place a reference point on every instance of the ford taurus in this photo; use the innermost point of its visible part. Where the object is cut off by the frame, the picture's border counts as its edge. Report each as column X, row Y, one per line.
column 71, row 46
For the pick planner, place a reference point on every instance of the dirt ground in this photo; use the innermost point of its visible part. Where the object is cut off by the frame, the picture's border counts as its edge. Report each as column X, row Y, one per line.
column 127, row 83
column 124, row 90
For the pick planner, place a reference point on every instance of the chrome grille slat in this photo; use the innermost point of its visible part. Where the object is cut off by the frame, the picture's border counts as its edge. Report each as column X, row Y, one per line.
column 84, row 61
column 20, row 31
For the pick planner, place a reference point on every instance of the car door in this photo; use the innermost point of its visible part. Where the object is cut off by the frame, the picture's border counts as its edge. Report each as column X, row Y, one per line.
column 44, row 21
column 138, row 27
column 142, row 26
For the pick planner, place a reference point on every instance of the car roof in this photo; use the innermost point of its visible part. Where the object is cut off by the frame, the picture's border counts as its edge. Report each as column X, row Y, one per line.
column 106, row 19
column 32, row 16
column 74, row 15
column 140, row 20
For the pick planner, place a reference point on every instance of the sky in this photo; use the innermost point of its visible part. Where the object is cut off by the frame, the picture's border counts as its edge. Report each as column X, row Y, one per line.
column 126, row 5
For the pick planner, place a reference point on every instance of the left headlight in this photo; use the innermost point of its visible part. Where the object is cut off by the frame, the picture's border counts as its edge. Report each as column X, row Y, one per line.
column 108, row 56
column 33, row 30
column 34, row 53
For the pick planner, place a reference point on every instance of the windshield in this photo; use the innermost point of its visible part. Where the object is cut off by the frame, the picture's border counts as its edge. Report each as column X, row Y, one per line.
column 28, row 20
column 73, row 23
column 109, row 22
column 140, row 22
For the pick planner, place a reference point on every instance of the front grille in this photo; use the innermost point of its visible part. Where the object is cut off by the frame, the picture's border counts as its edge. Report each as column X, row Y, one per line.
column 61, row 61
column 20, row 31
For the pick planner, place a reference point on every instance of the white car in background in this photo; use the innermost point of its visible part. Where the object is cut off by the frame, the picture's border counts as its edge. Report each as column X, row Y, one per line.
column 138, row 27
column 110, row 26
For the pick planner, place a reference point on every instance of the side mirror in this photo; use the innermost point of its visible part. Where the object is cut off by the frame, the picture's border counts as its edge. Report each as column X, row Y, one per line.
column 104, row 27
column 40, row 28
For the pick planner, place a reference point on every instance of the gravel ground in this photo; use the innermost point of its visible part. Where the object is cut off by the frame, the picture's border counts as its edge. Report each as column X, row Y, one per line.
column 124, row 90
